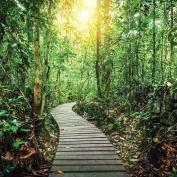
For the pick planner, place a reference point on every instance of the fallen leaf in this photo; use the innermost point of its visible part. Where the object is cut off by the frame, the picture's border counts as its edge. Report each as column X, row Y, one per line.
column 31, row 152
column 8, row 156
column 60, row 172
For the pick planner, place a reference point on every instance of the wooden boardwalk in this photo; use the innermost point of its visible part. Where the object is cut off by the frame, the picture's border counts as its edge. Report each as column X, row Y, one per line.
column 83, row 150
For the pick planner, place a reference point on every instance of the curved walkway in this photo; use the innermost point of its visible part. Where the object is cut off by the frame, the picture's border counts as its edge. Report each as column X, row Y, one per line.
column 83, row 150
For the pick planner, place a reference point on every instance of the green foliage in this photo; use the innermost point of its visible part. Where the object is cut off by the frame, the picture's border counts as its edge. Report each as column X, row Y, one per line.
column 104, row 111
column 137, row 65
column 14, row 112
column 17, row 144
column 10, row 130
column 173, row 173
column 8, row 169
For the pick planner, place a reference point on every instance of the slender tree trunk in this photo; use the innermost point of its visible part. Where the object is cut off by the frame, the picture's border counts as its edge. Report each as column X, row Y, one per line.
column 163, row 51
column 138, row 43
column 3, row 16
column 58, row 83
column 129, row 47
column 107, row 21
column 2, row 26
column 161, row 58
column 143, row 67
column 97, row 65
column 108, row 61
column 130, row 59
column 165, row 48
column 46, row 66
column 171, row 62
column 37, row 59
column 81, row 83
column 154, row 43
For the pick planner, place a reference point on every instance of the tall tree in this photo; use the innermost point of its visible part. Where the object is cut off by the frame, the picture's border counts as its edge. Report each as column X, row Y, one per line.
column 154, row 43
column 107, row 63
column 37, row 59
column 97, row 65
column 47, row 55
column 171, row 41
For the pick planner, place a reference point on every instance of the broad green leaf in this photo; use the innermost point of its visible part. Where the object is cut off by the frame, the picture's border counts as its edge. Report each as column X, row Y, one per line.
column 8, row 168
column 14, row 128
column 1, row 133
column 8, row 115
column 8, row 128
column 2, row 112
column 17, row 144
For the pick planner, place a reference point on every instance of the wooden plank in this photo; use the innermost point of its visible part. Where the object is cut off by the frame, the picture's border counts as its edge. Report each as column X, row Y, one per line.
column 87, row 162
column 63, row 131
column 72, row 118
column 73, row 122
column 76, row 130
column 94, row 168
column 86, row 157
column 85, row 145
column 74, row 125
column 74, row 133
column 83, row 139
column 65, row 117
column 65, row 120
column 84, row 126
column 91, row 174
column 67, row 149
column 84, row 142
column 79, row 128
column 70, row 136
column 86, row 153
column 80, row 133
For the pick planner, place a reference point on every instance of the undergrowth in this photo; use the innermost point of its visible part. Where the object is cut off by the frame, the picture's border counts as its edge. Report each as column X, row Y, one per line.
column 24, row 136
column 142, row 130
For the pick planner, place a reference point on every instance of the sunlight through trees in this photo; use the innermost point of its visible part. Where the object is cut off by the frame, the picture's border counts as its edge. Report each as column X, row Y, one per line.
column 116, row 58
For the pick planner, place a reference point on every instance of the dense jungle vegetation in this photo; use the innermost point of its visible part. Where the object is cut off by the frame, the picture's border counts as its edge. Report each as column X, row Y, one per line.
column 116, row 58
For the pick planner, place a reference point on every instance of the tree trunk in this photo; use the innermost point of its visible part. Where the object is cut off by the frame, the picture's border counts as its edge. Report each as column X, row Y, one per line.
column 108, row 61
column 46, row 66
column 171, row 62
column 2, row 26
column 97, row 65
column 37, row 60
column 154, row 43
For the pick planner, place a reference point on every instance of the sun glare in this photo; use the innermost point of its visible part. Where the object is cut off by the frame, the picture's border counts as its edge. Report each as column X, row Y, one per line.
column 81, row 17
column 84, row 15
column 90, row 3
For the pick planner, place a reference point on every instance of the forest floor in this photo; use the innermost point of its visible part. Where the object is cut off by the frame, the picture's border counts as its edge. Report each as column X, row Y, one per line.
column 126, row 142
column 27, row 141
column 126, row 139
column 47, row 140
column 156, row 158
